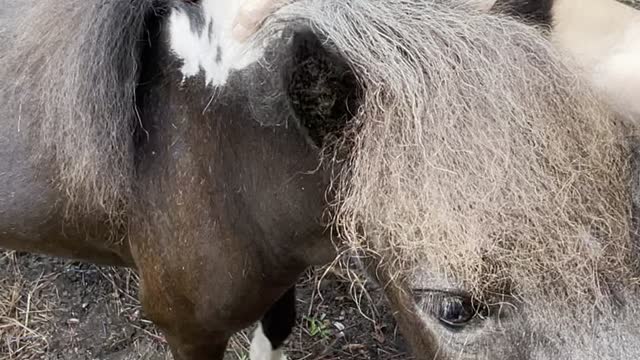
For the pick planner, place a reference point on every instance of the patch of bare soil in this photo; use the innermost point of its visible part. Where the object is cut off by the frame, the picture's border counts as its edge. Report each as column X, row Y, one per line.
column 58, row 309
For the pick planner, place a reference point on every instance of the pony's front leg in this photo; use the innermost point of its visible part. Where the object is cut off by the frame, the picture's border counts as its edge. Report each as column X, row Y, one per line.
column 202, row 347
column 274, row 328
column 191, row 334
column 201, row 294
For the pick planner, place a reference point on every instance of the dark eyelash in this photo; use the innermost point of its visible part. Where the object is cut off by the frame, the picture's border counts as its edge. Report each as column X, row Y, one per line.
column 435, row 300
column 444, row 292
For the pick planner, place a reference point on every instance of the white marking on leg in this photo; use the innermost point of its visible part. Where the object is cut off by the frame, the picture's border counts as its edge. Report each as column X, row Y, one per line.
column 211, row 49
column 261, row 347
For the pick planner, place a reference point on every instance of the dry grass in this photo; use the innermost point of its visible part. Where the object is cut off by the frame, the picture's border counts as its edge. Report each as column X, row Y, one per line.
column 52, row 309
column 55, row 309
column 23, row 311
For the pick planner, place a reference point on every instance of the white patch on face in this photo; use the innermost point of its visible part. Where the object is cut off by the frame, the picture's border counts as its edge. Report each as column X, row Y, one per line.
column 261, row 347
column 215, row 53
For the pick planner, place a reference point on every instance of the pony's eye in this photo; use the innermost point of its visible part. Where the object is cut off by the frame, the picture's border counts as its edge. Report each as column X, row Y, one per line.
column 455, row 311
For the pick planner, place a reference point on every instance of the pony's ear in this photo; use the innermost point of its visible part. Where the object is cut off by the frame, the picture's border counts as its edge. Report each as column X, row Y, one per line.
column 321, row 88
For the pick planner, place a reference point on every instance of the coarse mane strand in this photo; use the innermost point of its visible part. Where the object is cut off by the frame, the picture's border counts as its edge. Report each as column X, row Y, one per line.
column 478, row 154
column 73, row 70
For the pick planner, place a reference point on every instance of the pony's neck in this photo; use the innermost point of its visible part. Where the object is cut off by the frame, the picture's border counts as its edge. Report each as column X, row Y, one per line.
column 200, row 36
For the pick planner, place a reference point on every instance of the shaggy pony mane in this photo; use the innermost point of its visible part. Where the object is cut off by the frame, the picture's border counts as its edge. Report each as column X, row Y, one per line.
column 478, row 154
column 73, row 70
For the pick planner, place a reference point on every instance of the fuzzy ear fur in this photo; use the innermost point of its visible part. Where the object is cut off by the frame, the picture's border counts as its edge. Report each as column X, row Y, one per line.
column 534, row 12
column 320, row 86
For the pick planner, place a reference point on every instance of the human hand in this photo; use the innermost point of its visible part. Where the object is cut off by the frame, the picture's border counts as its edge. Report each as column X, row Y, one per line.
column 251, row 16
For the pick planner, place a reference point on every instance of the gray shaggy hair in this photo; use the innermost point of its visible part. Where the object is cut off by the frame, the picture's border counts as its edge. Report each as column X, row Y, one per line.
column 73, row 69
column 478, row 153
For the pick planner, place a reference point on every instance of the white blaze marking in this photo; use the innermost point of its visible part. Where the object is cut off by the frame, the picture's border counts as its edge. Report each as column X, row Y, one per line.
column 261, row 347
column 216, row 54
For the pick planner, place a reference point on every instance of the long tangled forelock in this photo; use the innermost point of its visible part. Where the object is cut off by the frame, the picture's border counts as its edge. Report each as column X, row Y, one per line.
column 477, row 152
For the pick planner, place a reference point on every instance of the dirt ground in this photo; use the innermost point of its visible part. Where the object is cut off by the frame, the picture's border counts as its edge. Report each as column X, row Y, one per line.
column 58, row 309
